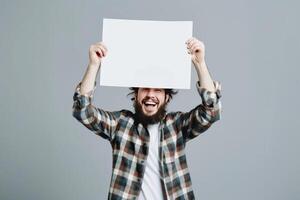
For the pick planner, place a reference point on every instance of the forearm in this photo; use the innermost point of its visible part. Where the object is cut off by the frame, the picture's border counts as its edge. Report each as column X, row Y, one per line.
column 89, row 78
column 204, row 115
column 102, row 123
column 204, row 77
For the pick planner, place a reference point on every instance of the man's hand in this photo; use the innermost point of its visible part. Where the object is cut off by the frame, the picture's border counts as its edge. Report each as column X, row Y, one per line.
column 96, row 53
column 197, row 50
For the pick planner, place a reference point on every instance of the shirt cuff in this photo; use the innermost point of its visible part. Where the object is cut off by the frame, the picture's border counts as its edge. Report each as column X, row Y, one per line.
column 82, row 100
column 210, row 98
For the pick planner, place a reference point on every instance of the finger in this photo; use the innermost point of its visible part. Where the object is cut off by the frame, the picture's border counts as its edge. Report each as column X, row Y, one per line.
column 195, row 45
column 190, row 39
column 195, row 48
column 192, row 43
column 99, row 52
column 188, row 46
column 93, row 49
column 104, row 47
column 103, row 50
column 101, row 45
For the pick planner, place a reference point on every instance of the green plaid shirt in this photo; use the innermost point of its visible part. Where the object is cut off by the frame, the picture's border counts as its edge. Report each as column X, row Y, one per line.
column 129, row 140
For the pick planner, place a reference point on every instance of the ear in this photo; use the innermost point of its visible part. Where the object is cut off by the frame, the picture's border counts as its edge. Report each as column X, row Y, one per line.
column 135, row 96
column 167, row 98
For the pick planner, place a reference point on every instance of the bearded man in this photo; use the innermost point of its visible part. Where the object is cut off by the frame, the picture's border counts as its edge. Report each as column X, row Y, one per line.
column 149, row 161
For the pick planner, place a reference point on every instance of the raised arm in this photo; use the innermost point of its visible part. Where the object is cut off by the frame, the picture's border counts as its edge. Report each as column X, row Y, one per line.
column 197, row 50
column 96, row 53
column 203, row 116
column 101, row 122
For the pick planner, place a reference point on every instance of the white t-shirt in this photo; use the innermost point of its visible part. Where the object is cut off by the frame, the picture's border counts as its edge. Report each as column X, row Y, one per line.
column 151, row 186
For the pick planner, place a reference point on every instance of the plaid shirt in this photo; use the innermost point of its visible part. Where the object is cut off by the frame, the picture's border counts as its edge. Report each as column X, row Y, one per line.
column 129, row 140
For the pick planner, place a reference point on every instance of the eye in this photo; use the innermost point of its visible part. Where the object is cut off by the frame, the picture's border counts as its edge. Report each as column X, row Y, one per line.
column 144, row 89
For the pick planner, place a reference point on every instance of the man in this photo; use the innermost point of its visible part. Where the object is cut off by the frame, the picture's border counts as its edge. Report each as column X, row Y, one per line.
column 149, row 161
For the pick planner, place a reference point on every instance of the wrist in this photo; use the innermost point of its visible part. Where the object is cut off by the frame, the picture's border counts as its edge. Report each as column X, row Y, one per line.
column 201, row 66
column 94, row 65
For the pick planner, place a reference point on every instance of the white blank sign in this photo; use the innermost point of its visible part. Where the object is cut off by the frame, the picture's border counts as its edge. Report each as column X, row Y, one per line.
column 148, row 54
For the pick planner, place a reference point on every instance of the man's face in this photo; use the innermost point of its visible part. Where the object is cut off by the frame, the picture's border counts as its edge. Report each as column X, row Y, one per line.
column 150, row 105
column 151, row 99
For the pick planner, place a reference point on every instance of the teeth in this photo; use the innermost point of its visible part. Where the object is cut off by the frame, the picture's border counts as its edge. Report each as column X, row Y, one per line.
column 150, row 104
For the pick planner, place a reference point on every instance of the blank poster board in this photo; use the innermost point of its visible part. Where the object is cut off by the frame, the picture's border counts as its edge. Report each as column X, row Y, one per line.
column 148, row 54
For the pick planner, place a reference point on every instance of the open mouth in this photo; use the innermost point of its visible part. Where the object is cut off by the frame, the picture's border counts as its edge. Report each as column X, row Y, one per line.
column 150, row 104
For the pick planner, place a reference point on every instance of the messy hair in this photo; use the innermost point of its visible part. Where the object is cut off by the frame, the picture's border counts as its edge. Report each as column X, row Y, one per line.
column 134, row 91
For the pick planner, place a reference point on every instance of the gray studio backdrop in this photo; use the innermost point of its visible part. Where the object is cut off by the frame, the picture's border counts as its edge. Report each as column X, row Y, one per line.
column 252, row 48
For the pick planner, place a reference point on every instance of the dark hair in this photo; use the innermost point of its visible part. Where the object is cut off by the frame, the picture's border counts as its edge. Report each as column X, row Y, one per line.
column 169, row 92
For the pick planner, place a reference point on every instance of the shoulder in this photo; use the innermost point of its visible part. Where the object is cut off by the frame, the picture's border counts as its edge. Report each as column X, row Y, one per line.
column 180, row 115
column 122, row 113
column 126, row 116
column 126, row 113
column 172, row 116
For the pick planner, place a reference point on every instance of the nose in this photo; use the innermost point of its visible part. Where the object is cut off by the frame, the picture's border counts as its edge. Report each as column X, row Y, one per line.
column 150, row 92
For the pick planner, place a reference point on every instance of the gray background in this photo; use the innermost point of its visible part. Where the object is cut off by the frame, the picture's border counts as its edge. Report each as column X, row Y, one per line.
column 251, row 48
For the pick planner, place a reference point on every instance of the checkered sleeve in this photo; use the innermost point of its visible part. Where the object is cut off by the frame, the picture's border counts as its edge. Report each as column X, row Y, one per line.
column 102, row 123
column 203, row 116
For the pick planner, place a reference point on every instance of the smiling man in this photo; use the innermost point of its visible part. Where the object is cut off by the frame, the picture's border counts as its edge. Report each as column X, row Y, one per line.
column 150, row 104
column 149, row 161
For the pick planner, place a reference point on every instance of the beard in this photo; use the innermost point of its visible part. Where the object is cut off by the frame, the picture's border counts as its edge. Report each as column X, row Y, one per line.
column 152, row 119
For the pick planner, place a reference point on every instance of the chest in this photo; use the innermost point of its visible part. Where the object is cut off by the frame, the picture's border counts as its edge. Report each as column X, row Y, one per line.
column 135, row 142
